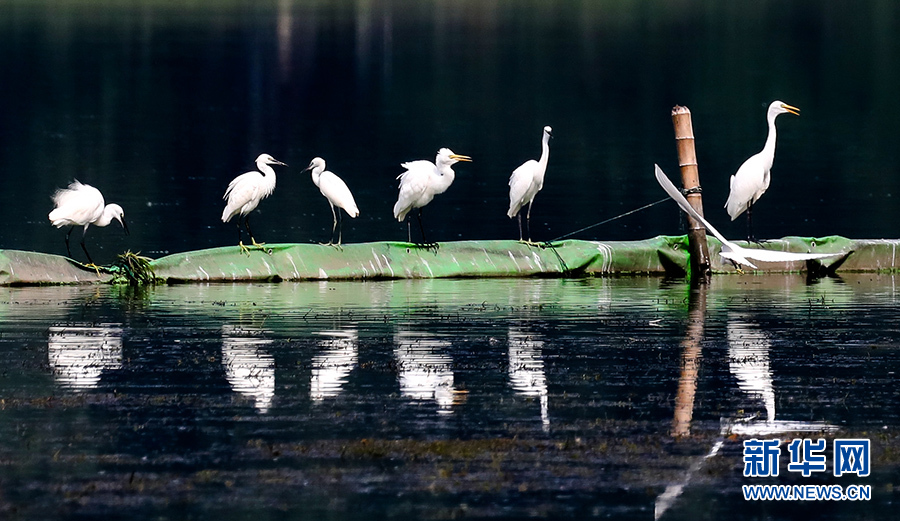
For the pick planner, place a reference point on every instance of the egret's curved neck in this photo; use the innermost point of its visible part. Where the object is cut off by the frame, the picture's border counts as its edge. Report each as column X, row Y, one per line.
column 317, row 174
column 768, row 151
column 545, row 154
column 265, row 169
column 444, row 179
column 106, row 217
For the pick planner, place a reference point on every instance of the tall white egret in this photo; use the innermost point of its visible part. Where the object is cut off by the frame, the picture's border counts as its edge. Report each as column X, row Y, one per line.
column 526, row 181
column 422, row 181
column 730, row 250
column 752, row 178
column 335, row 190
column 83, row 205
column 245, row 192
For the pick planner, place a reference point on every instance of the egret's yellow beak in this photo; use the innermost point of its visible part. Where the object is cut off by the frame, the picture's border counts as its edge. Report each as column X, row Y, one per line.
column 793, row 110
column 460, row 158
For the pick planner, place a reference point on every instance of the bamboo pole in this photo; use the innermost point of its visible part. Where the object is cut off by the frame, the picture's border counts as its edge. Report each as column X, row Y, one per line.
column 690, row 179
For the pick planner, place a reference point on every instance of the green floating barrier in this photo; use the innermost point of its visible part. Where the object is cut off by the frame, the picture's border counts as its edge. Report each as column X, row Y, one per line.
column 26, row 267
column 393, row 260
column 663, row 255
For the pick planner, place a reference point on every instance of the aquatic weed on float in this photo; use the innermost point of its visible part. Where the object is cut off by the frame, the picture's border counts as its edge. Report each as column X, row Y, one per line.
column 132, row 269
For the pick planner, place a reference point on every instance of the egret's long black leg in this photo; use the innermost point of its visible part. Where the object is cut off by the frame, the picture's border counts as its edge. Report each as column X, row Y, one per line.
column 83, row 247
column 520, row 226
column 334, row 222
column 528, row 219
column 250, row 232
column 243, row 248
column 68, row 250
column 750, row 222
column 241, row 235
column 750, row 236
column 340, row 219
column 419, row 215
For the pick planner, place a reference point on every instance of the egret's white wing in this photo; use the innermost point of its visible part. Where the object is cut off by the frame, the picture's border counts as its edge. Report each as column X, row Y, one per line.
column 524, row 174
column 240, row 182
column 747, row 185
column 421, row 164
column 79, row 204
column 241, row 192
column 521, row 186
column 782, row 256
column 413, row 189
column 76, row 191
column 675, row 194
column 335, row 189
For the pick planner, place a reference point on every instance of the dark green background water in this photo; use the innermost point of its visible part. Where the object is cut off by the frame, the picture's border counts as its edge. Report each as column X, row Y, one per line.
column 160, row 104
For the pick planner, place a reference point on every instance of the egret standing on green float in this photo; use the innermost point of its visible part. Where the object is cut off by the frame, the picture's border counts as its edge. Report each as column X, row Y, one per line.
column 83, row 205
column 731, row 251
column 752, row 178
column 246, row 191
column 335, row 190
column 526, row 181
column 421, row 182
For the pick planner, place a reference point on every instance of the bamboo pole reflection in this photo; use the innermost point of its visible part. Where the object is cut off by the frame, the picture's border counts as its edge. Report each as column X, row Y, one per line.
column 330, row 367
column 80, row 354
column 249, row 368
column 687, row 389
column 526, row 369
column 690, row 362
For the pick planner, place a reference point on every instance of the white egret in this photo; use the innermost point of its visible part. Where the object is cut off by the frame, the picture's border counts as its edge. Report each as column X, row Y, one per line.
column 245, row 192
column 335, row 190
column 526, row 181
column 730, row 250
column 83, row 205
column 752, row 178
column 422, row 181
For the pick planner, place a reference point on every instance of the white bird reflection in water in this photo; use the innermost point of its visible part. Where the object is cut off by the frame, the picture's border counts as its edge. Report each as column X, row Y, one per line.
column 748, row 360
column 424, row 372
column 332, row 366
column 80, row 354
column 526, row 369
column 249, row 369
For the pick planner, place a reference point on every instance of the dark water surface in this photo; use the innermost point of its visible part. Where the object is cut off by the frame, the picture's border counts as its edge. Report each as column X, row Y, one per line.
column 439, row 399
column 161, row 103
